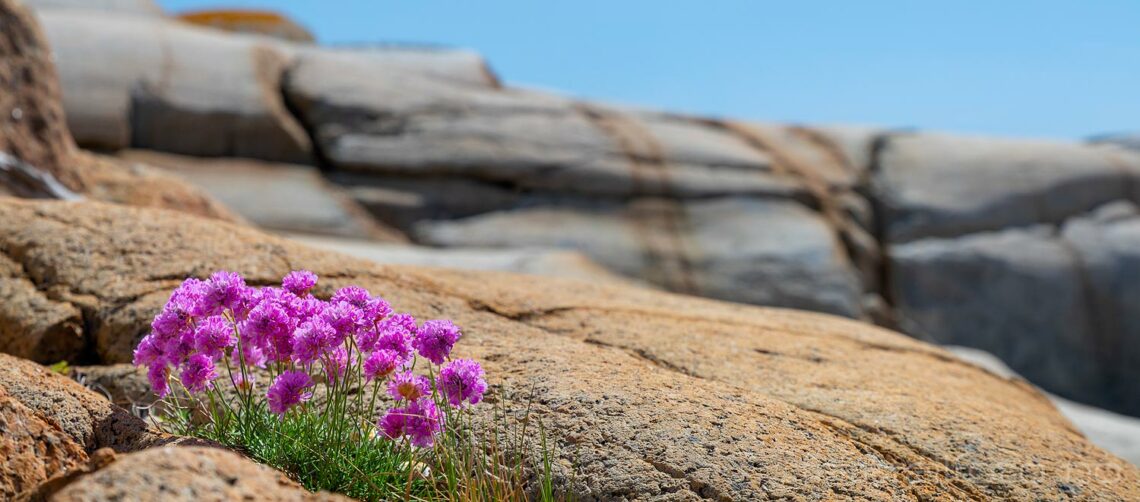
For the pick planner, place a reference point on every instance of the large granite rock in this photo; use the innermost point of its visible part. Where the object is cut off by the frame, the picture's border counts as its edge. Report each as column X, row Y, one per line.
column 712, row 248
column 650, row 395
column 284, row 197
column 34, row 449
column 1057, row 304
column 932, row 185
column 38, row 157
column 177, row 88
column 121, row 7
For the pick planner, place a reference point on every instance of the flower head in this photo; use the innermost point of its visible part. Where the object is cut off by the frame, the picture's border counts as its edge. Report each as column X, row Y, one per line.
column 212, row 336
column 157, row 375
column 198, row 373
column 311, row 340
column 148, row 351
column 407, row 385
column 419, row 421
column 299, row 282
column 395, row 334
column 374, row 309
column 345, row 318
column 225, row 290
column 381, row 364
column 288, row 390
column 462, row 380
column 435, row 339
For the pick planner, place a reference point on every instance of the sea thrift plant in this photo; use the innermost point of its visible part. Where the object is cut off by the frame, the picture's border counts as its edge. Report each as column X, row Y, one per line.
column 262, row 367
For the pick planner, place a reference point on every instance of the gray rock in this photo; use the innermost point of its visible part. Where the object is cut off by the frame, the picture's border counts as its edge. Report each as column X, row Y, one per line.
column 1057, row 305
column 753, row 250
column 173, row 87
column 131, row 7
column 943, row 186
column 286, row 197
column 1126, row 140
column 534, row 261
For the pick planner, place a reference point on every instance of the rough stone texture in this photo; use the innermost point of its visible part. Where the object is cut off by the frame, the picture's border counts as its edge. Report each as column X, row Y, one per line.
column 32, row 324
column 33, row 448
column 651, row 395
column 87, row 418
column 536, row 261
column 186, row 474
column 178, row 88
column 1067, row 299
column 1118, row 434
column 32, row 126
column 932, row 185
column 125, row 385
column 287, row 197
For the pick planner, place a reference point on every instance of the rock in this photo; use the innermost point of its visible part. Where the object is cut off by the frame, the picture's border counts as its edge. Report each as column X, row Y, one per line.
column 647, row 394
column 34, row 325
column 186, row 474
column 257, row 22
column 87, row 418
column 287, row 197
column 1118, row 434
column 34, row 449
column 933, row 185
column 123, row 384
column 178, row 88
column 38, row 157
column 1126, row 140
column 711, row 248
column 1065, row 300
column 536, row 261
column 129, row 7
column 32, row 127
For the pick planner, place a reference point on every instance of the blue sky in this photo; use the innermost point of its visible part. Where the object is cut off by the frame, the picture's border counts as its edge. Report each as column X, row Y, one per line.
column 1006, row 67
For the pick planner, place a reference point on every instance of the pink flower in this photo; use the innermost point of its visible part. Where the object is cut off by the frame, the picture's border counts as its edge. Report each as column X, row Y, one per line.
column 374, row 309
column 312, row 339
column 225, row 290
column 288, row 390
column 462, row 380
column 419, row 421
column 198, row 373
column 381, row 364
column 435, row 339
column 148, row 351
column 212, row 336
column 407, row 385
column 157, row 375
column 395, row 334
column 299, row 282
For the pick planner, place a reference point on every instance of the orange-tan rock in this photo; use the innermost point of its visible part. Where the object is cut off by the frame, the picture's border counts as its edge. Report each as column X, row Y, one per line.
column 648, row 395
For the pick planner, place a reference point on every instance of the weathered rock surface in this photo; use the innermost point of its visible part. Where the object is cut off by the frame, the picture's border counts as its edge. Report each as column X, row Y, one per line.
column 1116, row 433
column 38, row 157
column 285, row 197
column 944, row 186
column 131, row 7
column 1067, row 295
column 33, row 448
column 87, row 418
column 651, row 395
column 186, row 474
column 179, row 88
column 536, row 261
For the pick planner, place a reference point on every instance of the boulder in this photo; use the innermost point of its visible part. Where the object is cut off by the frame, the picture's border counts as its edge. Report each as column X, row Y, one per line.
column 1119, row 434
column 646, row 394
column 121, row 7
column 84, row 416
column 186, row 474
column 1126, row 140
column 712, row 248
column 38, row 157
column 285, row 197
column 176, row 87
column 934, row 185
column 33, row 447
column 536, row 261
column 1057, row 303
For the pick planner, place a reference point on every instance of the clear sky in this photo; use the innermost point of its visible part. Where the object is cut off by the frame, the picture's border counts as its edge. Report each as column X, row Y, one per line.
column 1041, row 68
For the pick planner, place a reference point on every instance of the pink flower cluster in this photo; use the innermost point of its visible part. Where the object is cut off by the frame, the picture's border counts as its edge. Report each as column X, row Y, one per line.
column 222, row 326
